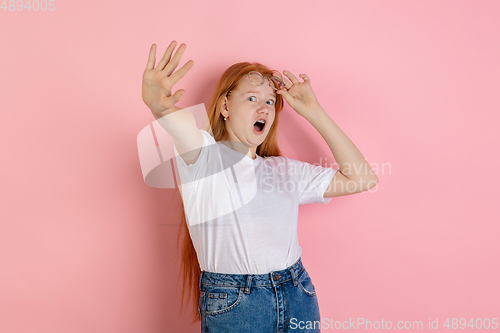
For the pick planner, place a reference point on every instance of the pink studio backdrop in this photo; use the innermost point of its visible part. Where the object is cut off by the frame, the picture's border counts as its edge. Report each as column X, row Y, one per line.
column 87, row 246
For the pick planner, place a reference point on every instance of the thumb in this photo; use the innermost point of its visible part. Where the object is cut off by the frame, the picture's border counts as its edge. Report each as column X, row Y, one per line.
column 178, row 94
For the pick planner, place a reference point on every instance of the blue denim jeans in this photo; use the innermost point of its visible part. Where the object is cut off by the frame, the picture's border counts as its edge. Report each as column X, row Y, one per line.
column 281, row 301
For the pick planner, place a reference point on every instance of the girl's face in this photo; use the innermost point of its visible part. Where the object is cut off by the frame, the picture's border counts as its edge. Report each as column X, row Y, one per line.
column 247, row 104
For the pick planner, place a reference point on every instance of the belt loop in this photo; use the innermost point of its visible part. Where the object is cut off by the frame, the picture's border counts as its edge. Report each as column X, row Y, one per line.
column 294, row 278
column 201, row 277
column 272, row 280
column 249, row 281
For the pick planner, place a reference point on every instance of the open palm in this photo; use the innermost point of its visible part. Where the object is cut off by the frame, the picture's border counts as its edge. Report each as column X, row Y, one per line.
column 157, row 83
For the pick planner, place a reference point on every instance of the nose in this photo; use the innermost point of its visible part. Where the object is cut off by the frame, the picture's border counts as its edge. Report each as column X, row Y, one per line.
column 264, row 108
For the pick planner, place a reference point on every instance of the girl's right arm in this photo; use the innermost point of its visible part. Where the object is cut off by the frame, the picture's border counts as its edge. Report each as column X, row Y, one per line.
column 157, row 84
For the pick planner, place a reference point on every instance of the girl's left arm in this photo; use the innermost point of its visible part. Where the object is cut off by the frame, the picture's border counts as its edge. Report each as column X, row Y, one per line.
column 355, row 174
column 353, row 167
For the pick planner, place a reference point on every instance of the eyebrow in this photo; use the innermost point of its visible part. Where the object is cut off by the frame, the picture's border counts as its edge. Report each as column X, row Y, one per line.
column 257, row 92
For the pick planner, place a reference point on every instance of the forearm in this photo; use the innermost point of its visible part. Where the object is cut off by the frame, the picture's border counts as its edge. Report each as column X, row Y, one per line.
column 350, row 161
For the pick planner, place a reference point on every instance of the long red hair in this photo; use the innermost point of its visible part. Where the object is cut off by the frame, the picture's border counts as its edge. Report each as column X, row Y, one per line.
column 190, row 267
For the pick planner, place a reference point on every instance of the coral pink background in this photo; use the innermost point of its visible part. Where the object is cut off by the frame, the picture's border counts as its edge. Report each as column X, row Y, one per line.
column 87, row 246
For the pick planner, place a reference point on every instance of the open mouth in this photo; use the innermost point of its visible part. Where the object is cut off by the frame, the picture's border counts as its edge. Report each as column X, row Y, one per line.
column 259, row 125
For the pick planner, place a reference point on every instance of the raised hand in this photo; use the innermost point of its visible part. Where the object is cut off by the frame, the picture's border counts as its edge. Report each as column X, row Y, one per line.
column 157, row 83
column 299, row 95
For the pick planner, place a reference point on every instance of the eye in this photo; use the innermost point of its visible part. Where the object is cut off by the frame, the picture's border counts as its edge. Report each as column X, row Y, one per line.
column 272, row 101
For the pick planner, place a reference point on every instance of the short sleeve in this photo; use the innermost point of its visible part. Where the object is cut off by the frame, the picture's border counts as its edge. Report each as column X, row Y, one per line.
column 203, row 166
column 207, row 141
column 312, row 181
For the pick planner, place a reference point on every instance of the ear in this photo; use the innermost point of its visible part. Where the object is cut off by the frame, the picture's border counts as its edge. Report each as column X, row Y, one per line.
column 224, row 111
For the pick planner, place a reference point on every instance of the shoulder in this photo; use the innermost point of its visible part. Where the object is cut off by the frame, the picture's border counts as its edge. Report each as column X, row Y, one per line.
column 282, row 160
column 207, row 137
column 282, row 164
column 275, row 160
column 292, row 166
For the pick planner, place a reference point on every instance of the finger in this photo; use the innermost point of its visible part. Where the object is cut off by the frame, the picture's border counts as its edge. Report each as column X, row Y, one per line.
column 287, row 83
column 291, row 77
column 166, row 56
column 179, row 74
column 305, row 78
column 151, row 58
column 172, row 64
column 286, row 96
column 178, row 95
column 170, row 101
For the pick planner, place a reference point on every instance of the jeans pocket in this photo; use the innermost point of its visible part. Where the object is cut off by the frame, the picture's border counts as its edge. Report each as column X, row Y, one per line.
column 221, row 299
column 305, row 283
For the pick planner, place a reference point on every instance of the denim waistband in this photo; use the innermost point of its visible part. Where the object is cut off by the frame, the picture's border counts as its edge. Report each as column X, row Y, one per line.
column 246, row 280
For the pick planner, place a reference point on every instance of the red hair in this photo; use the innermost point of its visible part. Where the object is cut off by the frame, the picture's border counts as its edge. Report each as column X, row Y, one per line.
column 190, row 267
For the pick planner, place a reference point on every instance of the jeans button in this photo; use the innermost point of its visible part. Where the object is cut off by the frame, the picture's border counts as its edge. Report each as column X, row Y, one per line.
column 276, row 277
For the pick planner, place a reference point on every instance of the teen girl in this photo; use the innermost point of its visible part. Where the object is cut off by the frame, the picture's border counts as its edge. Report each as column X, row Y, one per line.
column 241, row 255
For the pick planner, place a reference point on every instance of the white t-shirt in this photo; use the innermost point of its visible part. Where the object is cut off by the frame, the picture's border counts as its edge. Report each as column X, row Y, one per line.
column 242, row 213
